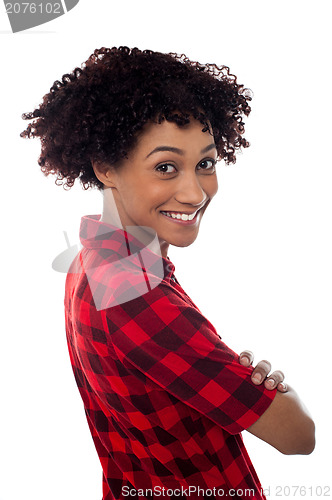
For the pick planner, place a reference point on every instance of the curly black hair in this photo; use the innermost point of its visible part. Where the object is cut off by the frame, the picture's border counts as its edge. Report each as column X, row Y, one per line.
column 97, row 111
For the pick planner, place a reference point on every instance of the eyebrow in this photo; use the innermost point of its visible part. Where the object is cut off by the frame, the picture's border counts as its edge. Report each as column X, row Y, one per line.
column 179, row 151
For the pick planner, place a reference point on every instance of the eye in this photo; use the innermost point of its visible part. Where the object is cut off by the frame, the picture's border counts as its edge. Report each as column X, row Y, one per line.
column 163, row 168
column 208, row 165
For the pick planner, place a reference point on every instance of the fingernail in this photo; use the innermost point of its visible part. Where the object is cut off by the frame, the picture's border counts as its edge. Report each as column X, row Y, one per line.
column 257, row 377
column 271, row 382
column 245, row 360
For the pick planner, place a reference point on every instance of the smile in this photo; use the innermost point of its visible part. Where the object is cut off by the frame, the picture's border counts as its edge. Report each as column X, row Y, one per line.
column 180, row 217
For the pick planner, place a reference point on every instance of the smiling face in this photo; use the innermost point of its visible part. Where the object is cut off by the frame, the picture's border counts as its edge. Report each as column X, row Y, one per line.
column 166, row 183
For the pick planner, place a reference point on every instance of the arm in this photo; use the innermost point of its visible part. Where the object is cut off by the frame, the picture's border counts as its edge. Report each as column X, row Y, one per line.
column 286, row 425
column 161, row 337
column 164, row 338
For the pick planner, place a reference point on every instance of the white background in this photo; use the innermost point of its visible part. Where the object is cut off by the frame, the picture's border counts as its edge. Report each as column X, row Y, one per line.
column 260, row 269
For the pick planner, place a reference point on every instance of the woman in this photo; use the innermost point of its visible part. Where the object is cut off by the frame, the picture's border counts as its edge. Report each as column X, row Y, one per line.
column 165, row 398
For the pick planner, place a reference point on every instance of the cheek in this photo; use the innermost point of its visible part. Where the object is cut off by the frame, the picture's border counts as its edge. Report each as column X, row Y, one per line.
column 216, row 187
column 140, row 201
column 154, row 194
column 133, row 193
column 211, row 186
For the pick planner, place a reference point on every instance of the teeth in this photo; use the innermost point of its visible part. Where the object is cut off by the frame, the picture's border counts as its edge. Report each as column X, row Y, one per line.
column 180, row 216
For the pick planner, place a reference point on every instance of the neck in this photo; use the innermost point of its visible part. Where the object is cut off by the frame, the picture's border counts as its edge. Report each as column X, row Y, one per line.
column 110, row 215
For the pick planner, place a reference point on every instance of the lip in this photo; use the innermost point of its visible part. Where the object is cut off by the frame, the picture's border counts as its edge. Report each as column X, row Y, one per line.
column 179, row 212
column 180, row 221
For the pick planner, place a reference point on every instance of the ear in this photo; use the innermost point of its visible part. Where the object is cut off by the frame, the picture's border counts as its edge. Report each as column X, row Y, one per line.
column 104, row 173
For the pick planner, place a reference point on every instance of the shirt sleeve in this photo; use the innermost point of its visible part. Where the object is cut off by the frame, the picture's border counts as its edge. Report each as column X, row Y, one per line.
column 170, row 341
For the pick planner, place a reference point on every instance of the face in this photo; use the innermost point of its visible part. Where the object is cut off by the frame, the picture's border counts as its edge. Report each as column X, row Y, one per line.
column 167, row 182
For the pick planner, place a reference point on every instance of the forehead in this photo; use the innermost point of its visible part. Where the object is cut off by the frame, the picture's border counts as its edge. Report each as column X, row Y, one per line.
column 170, row 134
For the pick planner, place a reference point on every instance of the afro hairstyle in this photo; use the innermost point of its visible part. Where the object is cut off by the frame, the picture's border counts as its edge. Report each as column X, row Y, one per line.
column 95, row 113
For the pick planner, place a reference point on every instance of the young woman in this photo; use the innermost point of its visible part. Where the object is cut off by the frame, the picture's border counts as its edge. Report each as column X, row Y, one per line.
column 165, row 398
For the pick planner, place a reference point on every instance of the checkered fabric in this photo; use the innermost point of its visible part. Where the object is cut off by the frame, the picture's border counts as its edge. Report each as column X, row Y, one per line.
column 165, row 398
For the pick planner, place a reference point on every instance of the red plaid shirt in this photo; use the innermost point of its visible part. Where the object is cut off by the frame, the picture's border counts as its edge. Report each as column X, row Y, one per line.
column 165, row 399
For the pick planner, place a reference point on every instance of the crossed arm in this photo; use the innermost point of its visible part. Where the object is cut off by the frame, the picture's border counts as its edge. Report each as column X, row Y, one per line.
column 169, row 341
column 286, row 424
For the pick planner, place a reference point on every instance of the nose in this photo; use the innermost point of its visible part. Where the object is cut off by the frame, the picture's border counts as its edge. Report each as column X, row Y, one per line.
column 190, row 191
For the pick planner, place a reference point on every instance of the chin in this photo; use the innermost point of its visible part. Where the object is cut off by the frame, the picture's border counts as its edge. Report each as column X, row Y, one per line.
column 182, row 243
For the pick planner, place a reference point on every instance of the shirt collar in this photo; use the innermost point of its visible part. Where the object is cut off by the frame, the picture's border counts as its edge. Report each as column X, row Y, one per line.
column 96, row 234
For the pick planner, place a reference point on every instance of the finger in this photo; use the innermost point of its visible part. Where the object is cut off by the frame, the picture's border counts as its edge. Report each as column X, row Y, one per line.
column 274, row 379
column 246, row 358
column 261, row 371
column 282, row 387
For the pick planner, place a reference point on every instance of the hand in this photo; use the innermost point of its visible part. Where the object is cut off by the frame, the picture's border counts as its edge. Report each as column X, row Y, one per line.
column 261, row 373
